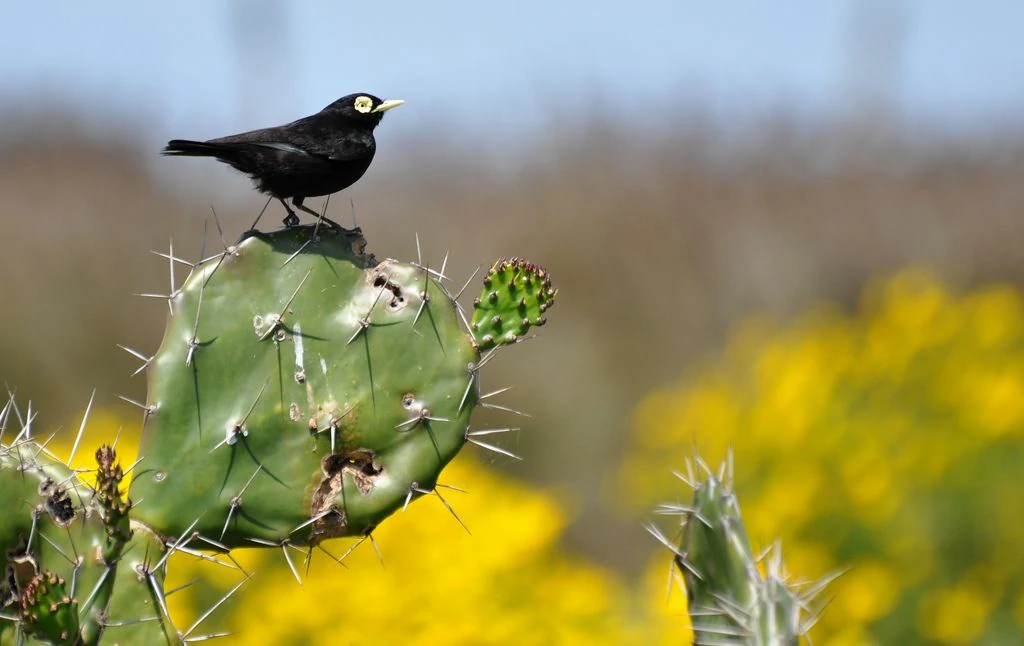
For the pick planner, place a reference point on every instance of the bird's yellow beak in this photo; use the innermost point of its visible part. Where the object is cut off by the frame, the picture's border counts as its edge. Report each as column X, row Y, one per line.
column 387, row 105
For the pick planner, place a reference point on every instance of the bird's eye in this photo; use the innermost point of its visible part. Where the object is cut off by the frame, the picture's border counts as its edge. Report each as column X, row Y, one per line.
column 363, row 104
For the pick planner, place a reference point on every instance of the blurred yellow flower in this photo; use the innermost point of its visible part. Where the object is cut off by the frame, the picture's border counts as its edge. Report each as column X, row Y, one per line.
column 506, row 583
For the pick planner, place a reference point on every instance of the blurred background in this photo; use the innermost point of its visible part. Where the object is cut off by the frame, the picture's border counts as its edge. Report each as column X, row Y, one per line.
column 718, row 189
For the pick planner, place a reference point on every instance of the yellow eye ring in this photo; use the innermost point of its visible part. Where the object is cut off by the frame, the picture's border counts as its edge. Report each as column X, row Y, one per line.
column 363, row 104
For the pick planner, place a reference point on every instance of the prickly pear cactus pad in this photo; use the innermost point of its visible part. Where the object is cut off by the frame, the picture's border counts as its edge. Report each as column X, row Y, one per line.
column 730, row 602
column 515, row 297
column 302, row 391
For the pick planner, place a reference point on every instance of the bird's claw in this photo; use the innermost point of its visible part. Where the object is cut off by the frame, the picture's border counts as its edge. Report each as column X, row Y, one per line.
column 291, row 220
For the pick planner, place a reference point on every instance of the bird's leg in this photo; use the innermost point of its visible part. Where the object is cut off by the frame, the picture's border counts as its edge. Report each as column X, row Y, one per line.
column 291, row 219
column 297, row 201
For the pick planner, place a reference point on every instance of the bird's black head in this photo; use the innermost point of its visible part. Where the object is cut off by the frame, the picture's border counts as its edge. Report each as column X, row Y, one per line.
column 362, row 108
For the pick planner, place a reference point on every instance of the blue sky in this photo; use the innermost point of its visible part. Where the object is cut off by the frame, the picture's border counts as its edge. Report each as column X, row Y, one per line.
column 184, row 67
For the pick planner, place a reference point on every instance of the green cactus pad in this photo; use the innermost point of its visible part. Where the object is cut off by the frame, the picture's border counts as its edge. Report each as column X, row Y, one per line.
column 729, row 599
column 47, row 611
column 302, row 391
column 515, row 297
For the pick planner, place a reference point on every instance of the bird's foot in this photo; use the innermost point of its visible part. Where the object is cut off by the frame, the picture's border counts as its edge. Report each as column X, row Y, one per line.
column 291, row 220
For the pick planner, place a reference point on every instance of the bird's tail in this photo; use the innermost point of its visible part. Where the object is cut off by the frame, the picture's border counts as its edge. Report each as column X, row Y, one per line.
column 195, row 149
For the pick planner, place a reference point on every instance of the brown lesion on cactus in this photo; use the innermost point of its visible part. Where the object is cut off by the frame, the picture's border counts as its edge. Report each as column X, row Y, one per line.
column 360, row 466
column 381, row 279
column 57, row 503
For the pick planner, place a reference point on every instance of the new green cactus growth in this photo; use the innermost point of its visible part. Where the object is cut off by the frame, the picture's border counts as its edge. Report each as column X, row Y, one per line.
column 47, row 611
column 515, row 297
column 730, row 601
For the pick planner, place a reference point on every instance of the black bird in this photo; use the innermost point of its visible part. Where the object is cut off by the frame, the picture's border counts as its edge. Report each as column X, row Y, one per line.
column 316, row 155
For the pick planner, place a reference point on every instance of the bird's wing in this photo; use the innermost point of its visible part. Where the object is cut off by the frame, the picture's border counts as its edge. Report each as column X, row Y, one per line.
column 317, row 136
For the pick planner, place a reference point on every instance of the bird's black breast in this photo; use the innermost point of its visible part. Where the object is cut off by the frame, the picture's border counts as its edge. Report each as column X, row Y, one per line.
column 288, row 174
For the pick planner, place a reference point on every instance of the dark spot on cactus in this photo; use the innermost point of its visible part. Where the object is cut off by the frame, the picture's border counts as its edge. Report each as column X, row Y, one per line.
column 382, row 281
column 58, row 503
column 300, row 376
column 408, row 400
column 280, row 336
